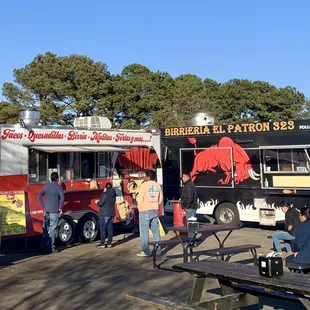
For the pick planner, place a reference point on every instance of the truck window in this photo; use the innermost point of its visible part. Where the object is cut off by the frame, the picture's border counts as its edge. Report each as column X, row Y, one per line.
column 286, row 168
column 271, row 160
column 286, row 160
column 103, row 165
column 52, row 163
column 300, row 160
column 64, row 164
column 76, row 165
column 88, row 165
column 33, row 166
column 43, row 171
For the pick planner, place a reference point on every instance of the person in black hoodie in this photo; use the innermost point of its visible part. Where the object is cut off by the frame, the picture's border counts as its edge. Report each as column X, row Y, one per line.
column 189, row 198
column 106, row 214
column 291, row 226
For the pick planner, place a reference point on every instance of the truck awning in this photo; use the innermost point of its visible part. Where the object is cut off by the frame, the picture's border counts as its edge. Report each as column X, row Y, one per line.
column 68, row 148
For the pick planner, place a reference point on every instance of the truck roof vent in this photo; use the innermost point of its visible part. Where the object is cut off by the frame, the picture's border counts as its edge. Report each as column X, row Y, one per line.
column 30, row 117
column 202, row 119
column 92, row 122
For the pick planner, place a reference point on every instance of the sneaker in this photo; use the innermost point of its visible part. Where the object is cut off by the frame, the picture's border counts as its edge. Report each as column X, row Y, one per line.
column 109, row 245
column 142, row 254
column 101, row 246
column 271, row 254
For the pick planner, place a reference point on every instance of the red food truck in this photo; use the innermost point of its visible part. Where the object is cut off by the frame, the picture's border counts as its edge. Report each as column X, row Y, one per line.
column 86, row 157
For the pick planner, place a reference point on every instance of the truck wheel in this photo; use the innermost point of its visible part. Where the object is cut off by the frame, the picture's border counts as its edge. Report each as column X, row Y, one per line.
column 88, row 228
column 66, row 230
column 227, row 214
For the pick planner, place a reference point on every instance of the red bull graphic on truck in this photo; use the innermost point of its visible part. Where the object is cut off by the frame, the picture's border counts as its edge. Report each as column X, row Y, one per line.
column 227, row 157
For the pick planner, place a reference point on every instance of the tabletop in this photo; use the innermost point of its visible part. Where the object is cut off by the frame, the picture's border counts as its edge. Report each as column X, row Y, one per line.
column 204, row 228
column 244, row 274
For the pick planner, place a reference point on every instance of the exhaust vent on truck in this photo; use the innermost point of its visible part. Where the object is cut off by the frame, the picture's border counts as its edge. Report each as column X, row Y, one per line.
column 30, row 117
column 92, row 122
column 202, row 119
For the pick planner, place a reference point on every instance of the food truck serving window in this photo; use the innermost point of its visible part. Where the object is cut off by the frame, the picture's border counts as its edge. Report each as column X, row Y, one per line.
column 286, row 167
column 81, row 165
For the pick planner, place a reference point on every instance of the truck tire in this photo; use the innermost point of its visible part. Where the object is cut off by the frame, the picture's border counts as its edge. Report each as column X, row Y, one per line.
column 227, row 214
column 66, row 230
column 88, row 228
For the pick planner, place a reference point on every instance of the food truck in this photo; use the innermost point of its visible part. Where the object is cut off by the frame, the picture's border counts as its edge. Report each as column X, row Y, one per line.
column 243, row 171
column 86, row 157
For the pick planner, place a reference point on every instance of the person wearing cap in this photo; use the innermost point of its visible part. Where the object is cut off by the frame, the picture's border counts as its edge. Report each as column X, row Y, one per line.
column 52, row 205
column 291, row 226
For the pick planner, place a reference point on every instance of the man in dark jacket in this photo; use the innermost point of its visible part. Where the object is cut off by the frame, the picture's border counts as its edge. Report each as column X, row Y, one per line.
column 53, row 204
column 189, row 198
column 106, row 214
column 291, row 225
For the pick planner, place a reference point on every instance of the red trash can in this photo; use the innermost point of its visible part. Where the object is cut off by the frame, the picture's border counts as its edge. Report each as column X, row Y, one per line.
column 179, row 215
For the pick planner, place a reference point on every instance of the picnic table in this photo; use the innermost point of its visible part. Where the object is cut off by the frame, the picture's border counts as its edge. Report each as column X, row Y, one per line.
column 188, row 244
column 203, row 229
column 241, row 286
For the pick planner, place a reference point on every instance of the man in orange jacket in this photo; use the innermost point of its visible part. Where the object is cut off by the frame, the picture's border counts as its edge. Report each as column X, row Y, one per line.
column 149, row 200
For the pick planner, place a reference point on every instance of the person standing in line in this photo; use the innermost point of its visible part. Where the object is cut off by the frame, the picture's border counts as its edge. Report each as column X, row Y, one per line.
column 291, row 226
column 106, row 215
column 189, row 198
column 52, row 205
column 149, row 200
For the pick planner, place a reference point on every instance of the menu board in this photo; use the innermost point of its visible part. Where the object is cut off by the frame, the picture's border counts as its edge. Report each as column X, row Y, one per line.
column 12, row 208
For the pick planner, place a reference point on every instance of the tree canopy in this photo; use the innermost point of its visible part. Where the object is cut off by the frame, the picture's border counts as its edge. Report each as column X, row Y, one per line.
column 66, row 87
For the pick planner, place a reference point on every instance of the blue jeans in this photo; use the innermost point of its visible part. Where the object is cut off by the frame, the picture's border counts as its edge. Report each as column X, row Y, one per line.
column 106, row 223
column 149, row 219
column 283, row 235
column 190, row 213
column 49, row 230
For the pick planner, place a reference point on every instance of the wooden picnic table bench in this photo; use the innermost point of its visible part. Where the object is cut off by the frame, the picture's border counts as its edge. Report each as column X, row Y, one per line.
column 297, row 267
column 230, row 251
column 242, row 284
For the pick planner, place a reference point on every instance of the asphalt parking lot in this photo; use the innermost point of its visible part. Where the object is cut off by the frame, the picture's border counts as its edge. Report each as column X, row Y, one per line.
column 84, row 277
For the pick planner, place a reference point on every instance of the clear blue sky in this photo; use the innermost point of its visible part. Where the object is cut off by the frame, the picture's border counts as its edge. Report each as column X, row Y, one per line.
column 221, row 39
